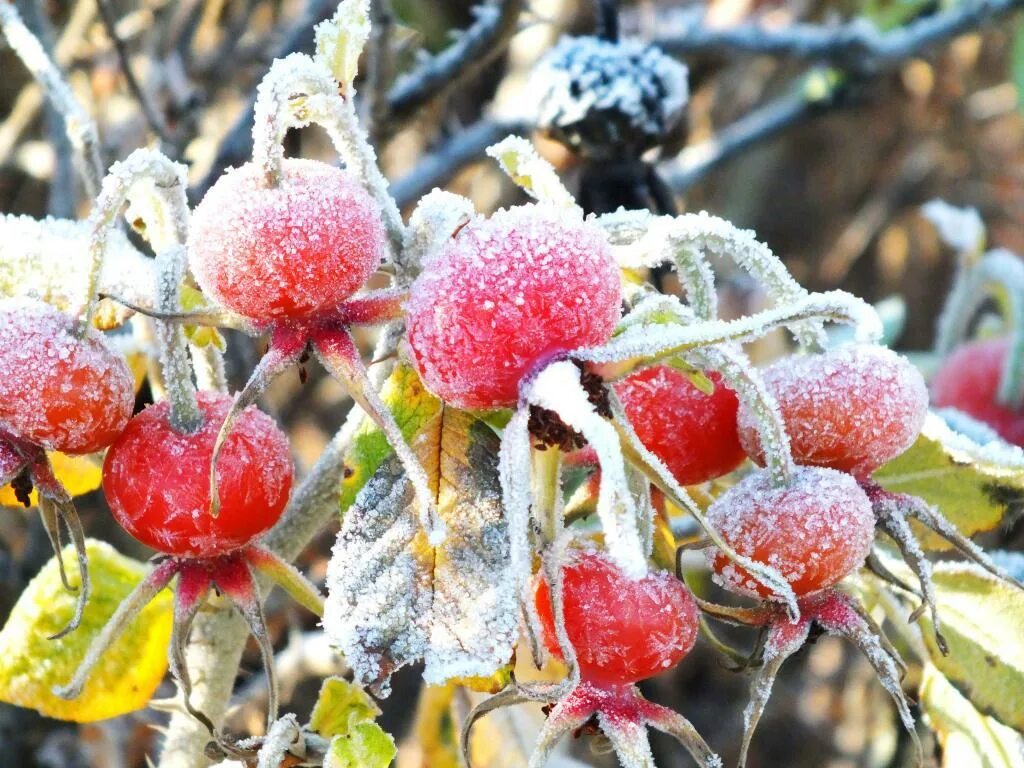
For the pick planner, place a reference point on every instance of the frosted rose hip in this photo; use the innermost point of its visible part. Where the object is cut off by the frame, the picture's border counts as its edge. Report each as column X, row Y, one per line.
column 623, row 630
column 157, row 480
column 57, row 390
column 692, row 432
column 969, row 381
column 852, row 408
column 814, row 532
column 289, row 251
column 505, row 295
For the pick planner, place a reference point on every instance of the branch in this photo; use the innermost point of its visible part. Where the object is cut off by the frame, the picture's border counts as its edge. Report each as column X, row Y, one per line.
column 439, row 166
column 78, row 123
column 496, row 22
column 698, row 160
column 856, row 46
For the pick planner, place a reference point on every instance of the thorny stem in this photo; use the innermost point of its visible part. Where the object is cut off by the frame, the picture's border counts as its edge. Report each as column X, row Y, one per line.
column 81, row 129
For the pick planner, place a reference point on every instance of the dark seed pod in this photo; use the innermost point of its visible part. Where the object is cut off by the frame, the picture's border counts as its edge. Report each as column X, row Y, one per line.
column 607, row 99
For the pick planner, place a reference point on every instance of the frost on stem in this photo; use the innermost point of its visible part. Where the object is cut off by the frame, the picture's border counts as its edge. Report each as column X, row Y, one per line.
column 557, row 388
column 298, row 91
column 155, row 188
column 710, row 236
column 171, row 266
column 78, row 124
column 520, row 161
column 646, row 342
column 998, row 275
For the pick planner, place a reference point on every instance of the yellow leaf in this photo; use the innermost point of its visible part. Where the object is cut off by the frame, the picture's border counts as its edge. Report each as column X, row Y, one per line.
column 78, row 474
column 126, row 676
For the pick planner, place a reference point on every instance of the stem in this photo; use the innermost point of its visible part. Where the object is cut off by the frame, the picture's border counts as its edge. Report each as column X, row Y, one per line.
column 185, row 416
column 164, row 211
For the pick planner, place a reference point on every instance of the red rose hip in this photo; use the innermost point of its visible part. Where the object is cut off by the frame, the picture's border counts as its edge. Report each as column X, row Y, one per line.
column 59, row 391
column 692, row 432
column 506, row 295
column 156, row 480
column 285, row 252
column 852, row 408
column 623, row 630
column 815, row 532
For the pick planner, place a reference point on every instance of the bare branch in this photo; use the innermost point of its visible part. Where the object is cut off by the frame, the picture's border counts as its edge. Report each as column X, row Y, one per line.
column 496, row 22
column 856, row 46
column 438, row 167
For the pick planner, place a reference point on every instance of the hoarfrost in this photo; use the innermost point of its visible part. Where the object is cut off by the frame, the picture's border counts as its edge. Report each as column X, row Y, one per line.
column 536, row 176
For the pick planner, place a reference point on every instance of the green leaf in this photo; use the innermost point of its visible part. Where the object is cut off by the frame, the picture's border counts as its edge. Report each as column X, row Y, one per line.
column 129, row 672
column 972, row 485
column 404, row 394
column 982, row 617
column 366, row 746
column 968, row 738
column 340, row 707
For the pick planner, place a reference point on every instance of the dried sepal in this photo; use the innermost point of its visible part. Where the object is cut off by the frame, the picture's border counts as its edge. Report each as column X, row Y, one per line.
column 437, row 217
column 558, row 388
column 340, row 40
column 678, row 727
column 129, row 608
column 189, row 595
column 784, row 639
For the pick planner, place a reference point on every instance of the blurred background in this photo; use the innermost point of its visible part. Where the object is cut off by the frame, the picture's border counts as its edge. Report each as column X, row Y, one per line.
column 835, row 190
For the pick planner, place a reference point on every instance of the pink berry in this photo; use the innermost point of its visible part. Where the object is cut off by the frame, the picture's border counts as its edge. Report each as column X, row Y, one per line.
column 693, row 433
column 851, row 409
column 506, row 295
column 57, row 390
column 815, row 532
column 969, row 381
column 285, row 252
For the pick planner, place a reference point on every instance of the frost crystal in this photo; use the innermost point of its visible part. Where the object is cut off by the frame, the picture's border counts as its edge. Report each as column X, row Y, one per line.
column 536, row 176
column 596, row 94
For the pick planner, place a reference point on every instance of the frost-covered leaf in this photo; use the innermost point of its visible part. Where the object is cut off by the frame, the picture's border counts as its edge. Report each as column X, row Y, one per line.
column 972, row 485
column 365, row 746
column 49, row 260
column 393, row 599
column 536, row 176
column 412, row 406
column 982, row 618
column 78, row 474
column 968, row 738
column 129, row 672
column 340, row 707
column 340, row 40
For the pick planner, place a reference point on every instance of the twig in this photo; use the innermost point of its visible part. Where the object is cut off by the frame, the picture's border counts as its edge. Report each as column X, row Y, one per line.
column 698, row 160
column 380, row 69
column 153, row 118
column 79, row 124
column 857, row 46
column 439, row 166
column 496, row 22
